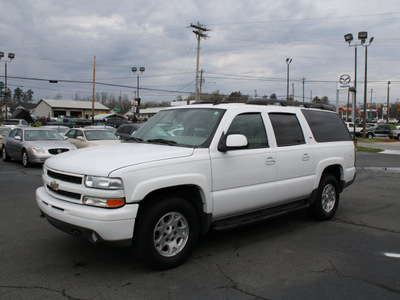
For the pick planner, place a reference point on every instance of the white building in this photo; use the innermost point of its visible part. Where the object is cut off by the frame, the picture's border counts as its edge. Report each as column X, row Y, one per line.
column 78, row 109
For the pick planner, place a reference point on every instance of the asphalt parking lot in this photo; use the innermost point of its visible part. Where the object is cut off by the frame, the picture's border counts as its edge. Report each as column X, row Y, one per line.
column 354, row 256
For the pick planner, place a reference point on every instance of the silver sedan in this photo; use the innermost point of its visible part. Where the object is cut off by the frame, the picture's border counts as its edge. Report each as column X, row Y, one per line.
column 33, row 145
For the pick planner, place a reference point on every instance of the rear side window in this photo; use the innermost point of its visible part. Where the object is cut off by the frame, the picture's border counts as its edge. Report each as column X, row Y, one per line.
column 326, row 126
column 287, row 129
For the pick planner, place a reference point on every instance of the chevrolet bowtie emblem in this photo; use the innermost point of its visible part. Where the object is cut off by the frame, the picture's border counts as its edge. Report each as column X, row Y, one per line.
column 54, row 185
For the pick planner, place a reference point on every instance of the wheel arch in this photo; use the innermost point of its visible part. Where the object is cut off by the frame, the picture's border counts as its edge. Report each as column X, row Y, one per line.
column 191, row 193
column 336, row 170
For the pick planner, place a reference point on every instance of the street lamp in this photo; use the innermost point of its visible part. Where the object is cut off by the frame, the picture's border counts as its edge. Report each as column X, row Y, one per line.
column 387, row 112
column 137, row 98
column 363, row 36
column 288, row 61
column 348, row 39
column 11, row 56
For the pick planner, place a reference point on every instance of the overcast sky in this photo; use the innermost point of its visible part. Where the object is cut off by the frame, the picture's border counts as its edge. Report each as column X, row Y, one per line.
column 246, row 50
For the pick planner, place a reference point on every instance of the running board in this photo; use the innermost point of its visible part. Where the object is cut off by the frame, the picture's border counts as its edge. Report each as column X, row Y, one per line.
column 258, row 216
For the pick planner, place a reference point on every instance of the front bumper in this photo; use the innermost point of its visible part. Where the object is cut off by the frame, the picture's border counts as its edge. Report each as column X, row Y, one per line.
column 110, row 225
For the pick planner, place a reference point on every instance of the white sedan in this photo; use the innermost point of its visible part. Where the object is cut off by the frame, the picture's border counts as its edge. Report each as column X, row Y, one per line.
column 83, row 137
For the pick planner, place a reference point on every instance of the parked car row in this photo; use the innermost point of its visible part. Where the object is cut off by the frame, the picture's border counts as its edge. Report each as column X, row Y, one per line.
column 35, row 144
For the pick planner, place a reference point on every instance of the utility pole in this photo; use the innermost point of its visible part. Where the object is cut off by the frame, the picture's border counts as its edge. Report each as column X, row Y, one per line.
column 200, row 33
column 293, row 93
column 94, row 82
column 201, row 81
column 303, row 81
column 387, row 111
column 370, row 103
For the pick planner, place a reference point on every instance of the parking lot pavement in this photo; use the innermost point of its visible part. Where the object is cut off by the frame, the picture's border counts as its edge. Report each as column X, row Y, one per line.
column 353, row 256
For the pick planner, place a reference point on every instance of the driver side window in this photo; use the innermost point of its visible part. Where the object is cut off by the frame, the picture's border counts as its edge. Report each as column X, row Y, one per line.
column 252, row 127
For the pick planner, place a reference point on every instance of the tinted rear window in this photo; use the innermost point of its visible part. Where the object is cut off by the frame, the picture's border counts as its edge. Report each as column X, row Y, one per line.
column 326, row 126
column 287, row 129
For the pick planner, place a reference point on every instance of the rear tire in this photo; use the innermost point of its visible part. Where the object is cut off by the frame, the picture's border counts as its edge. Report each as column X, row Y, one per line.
column 370, row 135
column 4, row 154
column 327, row 199
column 166, row 232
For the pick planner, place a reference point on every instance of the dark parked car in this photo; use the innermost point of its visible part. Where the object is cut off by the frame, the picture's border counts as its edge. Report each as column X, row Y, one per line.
column 115, row 122
column 377, row 130
column 124, row 131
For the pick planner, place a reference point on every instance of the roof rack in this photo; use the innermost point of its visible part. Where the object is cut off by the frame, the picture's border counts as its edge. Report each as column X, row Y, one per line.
column 263, row 101
column 206, row 102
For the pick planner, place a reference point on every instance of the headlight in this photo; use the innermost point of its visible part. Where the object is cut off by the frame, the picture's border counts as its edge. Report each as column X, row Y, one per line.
column 104, row 183
column 37, row 150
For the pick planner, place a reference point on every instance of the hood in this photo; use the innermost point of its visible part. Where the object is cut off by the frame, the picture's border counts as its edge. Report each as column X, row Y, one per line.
column 49, row 144
column 102, row 160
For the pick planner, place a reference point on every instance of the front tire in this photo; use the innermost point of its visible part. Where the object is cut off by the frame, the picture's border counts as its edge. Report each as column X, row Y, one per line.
column 327, row 199
column 370, row 135
column 25, row 159
column 166, row 232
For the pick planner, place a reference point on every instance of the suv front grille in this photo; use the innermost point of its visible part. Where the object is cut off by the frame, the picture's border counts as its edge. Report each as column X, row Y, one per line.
column 64, row 177
column 65, row 193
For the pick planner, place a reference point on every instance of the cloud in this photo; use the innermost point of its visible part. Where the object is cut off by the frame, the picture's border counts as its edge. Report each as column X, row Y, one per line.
column 59, row 39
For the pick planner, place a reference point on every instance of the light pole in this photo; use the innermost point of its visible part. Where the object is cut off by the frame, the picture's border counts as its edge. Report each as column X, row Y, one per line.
column 348, row 39
column 363, row 36
column 288, row 61
column 134, row 70
column 387, row 112
column 11, row 56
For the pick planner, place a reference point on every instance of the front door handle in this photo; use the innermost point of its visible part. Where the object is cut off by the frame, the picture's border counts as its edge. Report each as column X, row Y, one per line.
column 270, row 161
column 306, row 157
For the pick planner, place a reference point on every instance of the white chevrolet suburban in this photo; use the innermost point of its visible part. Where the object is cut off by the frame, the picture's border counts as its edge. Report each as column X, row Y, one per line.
column 199, row 167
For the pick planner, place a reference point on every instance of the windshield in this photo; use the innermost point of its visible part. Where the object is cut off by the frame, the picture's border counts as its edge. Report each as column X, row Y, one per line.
column 95, row 135
column 191, row 127
column 42, row 135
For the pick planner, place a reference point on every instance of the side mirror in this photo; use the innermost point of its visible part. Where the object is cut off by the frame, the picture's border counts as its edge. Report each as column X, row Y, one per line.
column 232, row 142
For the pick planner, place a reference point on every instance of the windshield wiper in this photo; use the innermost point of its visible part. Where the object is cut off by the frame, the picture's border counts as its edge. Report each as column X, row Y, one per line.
column 162, row 141
column 134, row 139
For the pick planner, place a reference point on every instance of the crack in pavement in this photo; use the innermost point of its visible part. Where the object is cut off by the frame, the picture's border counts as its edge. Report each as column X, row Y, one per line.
column 334, row 270
column 63, row 293
column 335, row 219
column 235, row 286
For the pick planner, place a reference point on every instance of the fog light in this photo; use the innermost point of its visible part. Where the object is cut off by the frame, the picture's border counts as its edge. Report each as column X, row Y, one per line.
column 101, row 202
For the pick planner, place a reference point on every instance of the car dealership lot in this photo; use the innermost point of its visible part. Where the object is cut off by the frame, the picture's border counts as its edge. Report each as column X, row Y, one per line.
column 354, row 256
